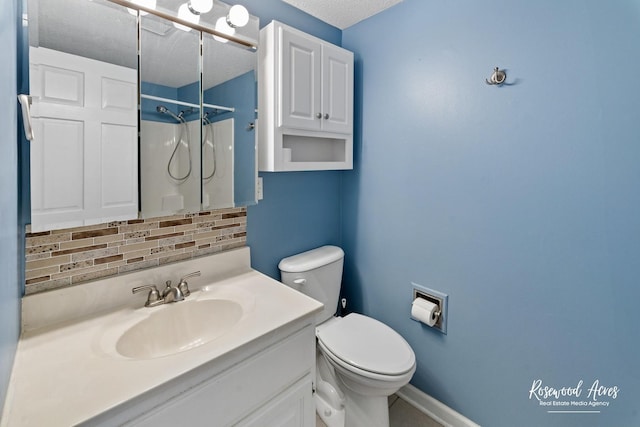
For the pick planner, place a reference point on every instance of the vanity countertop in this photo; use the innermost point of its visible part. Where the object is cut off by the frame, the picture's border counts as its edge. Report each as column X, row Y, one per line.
column 64, row 374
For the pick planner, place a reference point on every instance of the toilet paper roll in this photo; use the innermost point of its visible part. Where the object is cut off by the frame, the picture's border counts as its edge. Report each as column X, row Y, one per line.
column 424, row 311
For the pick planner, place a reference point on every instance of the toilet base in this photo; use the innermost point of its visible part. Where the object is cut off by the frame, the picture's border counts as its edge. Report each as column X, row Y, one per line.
column 366, row 411
column 338, row 405
column 331, row 416
column 359, row 411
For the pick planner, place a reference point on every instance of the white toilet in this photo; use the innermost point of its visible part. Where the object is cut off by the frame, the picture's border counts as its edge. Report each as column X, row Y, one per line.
column 360, row 361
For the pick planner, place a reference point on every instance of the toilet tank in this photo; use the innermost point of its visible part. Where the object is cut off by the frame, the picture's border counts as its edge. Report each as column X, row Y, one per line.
column 318, row 274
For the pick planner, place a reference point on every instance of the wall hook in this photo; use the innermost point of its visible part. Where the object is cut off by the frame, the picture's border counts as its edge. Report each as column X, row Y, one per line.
column 498, row 77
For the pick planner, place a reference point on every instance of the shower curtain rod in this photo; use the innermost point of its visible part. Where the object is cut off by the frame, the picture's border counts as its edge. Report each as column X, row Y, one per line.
column 246, row 43
column 186, row 104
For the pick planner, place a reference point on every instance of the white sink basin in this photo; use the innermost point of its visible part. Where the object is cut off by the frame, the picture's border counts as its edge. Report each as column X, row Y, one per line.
column 179, row 327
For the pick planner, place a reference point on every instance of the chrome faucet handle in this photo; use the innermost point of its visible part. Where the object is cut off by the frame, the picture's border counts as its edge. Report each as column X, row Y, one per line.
column 171, row 294
column 153, row 298
column 184, row 286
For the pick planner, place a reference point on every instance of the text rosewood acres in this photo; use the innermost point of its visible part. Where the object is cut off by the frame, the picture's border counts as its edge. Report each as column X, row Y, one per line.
column 549, row 396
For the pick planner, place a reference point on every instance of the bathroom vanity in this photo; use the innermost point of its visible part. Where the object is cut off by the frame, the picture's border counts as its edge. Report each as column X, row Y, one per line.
column 253, row 364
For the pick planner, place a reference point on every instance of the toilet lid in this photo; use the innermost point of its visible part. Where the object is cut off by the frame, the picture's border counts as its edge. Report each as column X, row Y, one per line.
column 367, row 344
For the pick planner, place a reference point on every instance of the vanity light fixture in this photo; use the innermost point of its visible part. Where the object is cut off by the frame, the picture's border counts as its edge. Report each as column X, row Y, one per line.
column 185, row 13
column 238, row 16
column 223, row 27
column 200, row 6
column 151, row 4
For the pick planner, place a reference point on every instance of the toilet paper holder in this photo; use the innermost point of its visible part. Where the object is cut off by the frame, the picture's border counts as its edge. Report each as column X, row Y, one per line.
column 417, row 294
column 438, row 298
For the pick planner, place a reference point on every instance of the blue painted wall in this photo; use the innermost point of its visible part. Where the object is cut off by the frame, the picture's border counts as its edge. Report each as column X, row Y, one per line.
column 300, row 210
column 10, row 234
column 521, row 202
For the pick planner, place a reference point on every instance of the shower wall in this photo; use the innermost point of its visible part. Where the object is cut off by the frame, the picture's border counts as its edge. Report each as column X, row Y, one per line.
column 218, row 144
column 160, row 194
column 163, row 195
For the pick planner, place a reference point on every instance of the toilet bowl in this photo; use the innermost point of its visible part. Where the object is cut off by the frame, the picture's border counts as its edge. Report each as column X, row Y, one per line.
column 360, row 360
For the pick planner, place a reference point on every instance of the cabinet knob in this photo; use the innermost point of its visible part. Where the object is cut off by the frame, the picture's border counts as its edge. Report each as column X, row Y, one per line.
column 318, row 115
column 326, row 116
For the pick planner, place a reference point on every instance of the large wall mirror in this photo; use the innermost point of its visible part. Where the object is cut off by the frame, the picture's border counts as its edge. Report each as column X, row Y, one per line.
column 135, row 115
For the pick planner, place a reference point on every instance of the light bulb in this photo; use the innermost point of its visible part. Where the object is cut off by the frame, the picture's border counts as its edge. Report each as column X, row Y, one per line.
column 151, row 4
column 201, row 6
column 223, row 27
column 238, row 16
column 185, row 14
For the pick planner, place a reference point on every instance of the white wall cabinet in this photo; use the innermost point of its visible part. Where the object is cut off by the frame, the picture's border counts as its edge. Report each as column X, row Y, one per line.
column 317, row 84
column 305, row 102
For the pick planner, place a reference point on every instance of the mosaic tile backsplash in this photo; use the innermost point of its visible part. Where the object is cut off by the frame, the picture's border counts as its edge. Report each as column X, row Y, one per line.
column 60, row 258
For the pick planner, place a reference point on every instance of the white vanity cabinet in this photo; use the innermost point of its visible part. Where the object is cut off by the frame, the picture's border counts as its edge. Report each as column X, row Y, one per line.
column 294, row 407
column 272, row 387
column 305, row 102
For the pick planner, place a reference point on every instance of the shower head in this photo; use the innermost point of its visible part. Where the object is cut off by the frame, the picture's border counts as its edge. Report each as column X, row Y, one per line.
column 187, row 111
column 163, row 110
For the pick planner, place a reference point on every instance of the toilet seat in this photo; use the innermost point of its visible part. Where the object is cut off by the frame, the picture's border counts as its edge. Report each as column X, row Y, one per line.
column 367, row 346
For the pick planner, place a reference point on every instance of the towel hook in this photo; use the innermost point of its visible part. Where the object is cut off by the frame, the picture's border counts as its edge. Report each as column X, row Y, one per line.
column 497, row 78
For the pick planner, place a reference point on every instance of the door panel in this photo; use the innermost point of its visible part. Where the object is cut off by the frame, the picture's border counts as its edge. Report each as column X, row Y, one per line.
column 84, row 164
column 300, row 82
column 337, row 88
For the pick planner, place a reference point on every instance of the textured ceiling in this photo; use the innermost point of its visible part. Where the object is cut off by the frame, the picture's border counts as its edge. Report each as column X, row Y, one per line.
column 342, row 13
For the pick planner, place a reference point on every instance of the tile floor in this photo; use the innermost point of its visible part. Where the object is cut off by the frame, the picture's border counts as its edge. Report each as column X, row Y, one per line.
column 401, row 414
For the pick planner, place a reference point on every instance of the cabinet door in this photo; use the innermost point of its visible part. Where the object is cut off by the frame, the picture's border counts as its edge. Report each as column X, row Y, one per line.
column 337, row 90
column 293, row 408
column 299, row 81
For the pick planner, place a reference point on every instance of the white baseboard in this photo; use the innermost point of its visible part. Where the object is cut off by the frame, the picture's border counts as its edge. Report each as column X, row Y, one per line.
column 434, row 408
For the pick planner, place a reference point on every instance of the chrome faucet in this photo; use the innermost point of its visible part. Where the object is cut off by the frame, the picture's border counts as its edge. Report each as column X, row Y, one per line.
column 153, row 298
column 169, row 294
column 172, row 294
column 184, row 286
